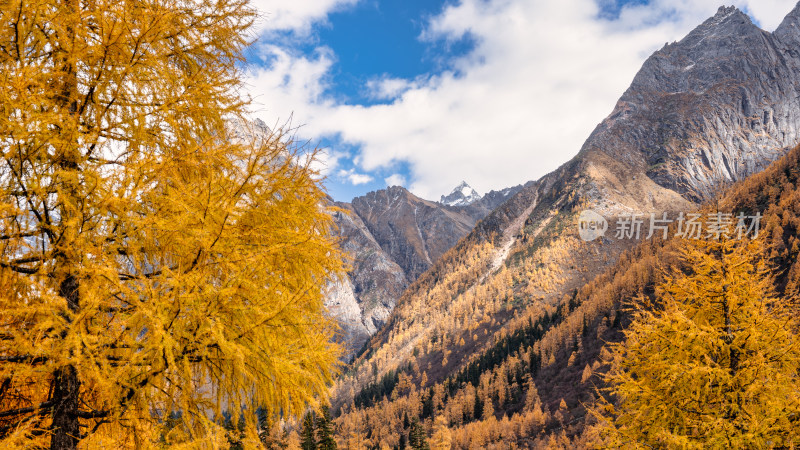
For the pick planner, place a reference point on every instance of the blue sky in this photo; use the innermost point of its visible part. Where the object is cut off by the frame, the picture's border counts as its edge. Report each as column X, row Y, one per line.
column 427, row 93
column 372, row 39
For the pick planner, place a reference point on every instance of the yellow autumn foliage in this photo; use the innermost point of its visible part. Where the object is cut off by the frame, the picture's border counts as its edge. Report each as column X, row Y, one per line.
column 161, row 260
column 713, row 365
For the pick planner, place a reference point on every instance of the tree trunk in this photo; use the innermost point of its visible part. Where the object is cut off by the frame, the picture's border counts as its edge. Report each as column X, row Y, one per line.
column 66, row 426
column 65, row 389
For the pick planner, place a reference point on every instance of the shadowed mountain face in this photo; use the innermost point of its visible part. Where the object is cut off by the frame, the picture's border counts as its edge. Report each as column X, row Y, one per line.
column 714, row 108
column 393, row 236
column 364, row 299
column 414, row 232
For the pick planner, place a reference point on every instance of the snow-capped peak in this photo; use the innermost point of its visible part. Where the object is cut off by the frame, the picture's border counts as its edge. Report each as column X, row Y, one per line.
column 462, row 195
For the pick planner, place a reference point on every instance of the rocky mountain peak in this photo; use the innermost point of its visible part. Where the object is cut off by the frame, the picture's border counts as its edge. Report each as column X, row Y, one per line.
column 715, row 52
column 462, row 195
column 724, row 12
column 393, row 236
column 719, row 104
column 725, row 17
column 789, row 30
column 729, row 22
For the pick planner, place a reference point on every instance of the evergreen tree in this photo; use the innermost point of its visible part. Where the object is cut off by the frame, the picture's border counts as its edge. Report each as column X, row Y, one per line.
column 713, row 364
column 477, row 412
column 308, row 440
column 416, row 436
column 325, row 440
column 271, row 433
column 427, row 404
column 234, row 431
column 264, row 426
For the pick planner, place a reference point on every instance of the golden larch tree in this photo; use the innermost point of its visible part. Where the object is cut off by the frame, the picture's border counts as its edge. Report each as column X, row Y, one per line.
column 712, row 364
column 161, row 261
column 442, row 437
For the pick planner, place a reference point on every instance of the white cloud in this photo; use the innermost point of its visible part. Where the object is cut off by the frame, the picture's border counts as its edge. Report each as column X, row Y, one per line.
column 294, row 15
column 354, row 178
column 540, row 78
column 768, row 13
column 387, row 88
column 395, row 180
column 359, row 178
column 292, row 81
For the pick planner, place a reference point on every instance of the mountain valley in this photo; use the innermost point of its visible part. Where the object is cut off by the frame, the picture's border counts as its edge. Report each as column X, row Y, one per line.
column 500, row 330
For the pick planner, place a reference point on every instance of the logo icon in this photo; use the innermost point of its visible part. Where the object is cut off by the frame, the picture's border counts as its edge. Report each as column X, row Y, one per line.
column 591, row 225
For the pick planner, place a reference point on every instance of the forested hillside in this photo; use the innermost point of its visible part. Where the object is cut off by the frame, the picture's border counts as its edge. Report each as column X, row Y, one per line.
column 530, row 382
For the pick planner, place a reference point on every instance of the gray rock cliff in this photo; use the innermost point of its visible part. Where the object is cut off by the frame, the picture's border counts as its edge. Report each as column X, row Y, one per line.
column 714, row 107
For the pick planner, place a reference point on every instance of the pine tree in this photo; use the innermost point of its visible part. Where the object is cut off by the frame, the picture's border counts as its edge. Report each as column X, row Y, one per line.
column 325, row 439
column 234, row 432
column 416, row 436
column 562, row 412
column 158, row 254
column 477, row 412
column 272, row 434
column 712, row 365
column 308, row 439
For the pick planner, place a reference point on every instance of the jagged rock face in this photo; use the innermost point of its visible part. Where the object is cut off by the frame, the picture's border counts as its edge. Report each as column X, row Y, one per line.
column 481, row 208
column 377, row 280
column 507, row 207
column 414, row 232
column 462, row 195
column 788, row 32
column 364, row 300
column 493, row 199
column 391, row 237
column 717, row 106
column 343, row 305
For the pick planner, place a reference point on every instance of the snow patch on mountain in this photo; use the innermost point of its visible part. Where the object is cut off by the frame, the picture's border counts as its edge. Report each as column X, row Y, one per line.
column 462, row 195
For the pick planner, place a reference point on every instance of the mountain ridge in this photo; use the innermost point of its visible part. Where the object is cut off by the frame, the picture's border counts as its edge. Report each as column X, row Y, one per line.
column 717, row 105
column 391, row 237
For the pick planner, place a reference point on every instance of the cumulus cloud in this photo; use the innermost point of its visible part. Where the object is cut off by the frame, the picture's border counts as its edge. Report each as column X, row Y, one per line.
column 395, row 180
column 387, row 88
column 295, row 16
column 767, row 13
column 293, row 82
column 354, row 177
column 542, row 74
